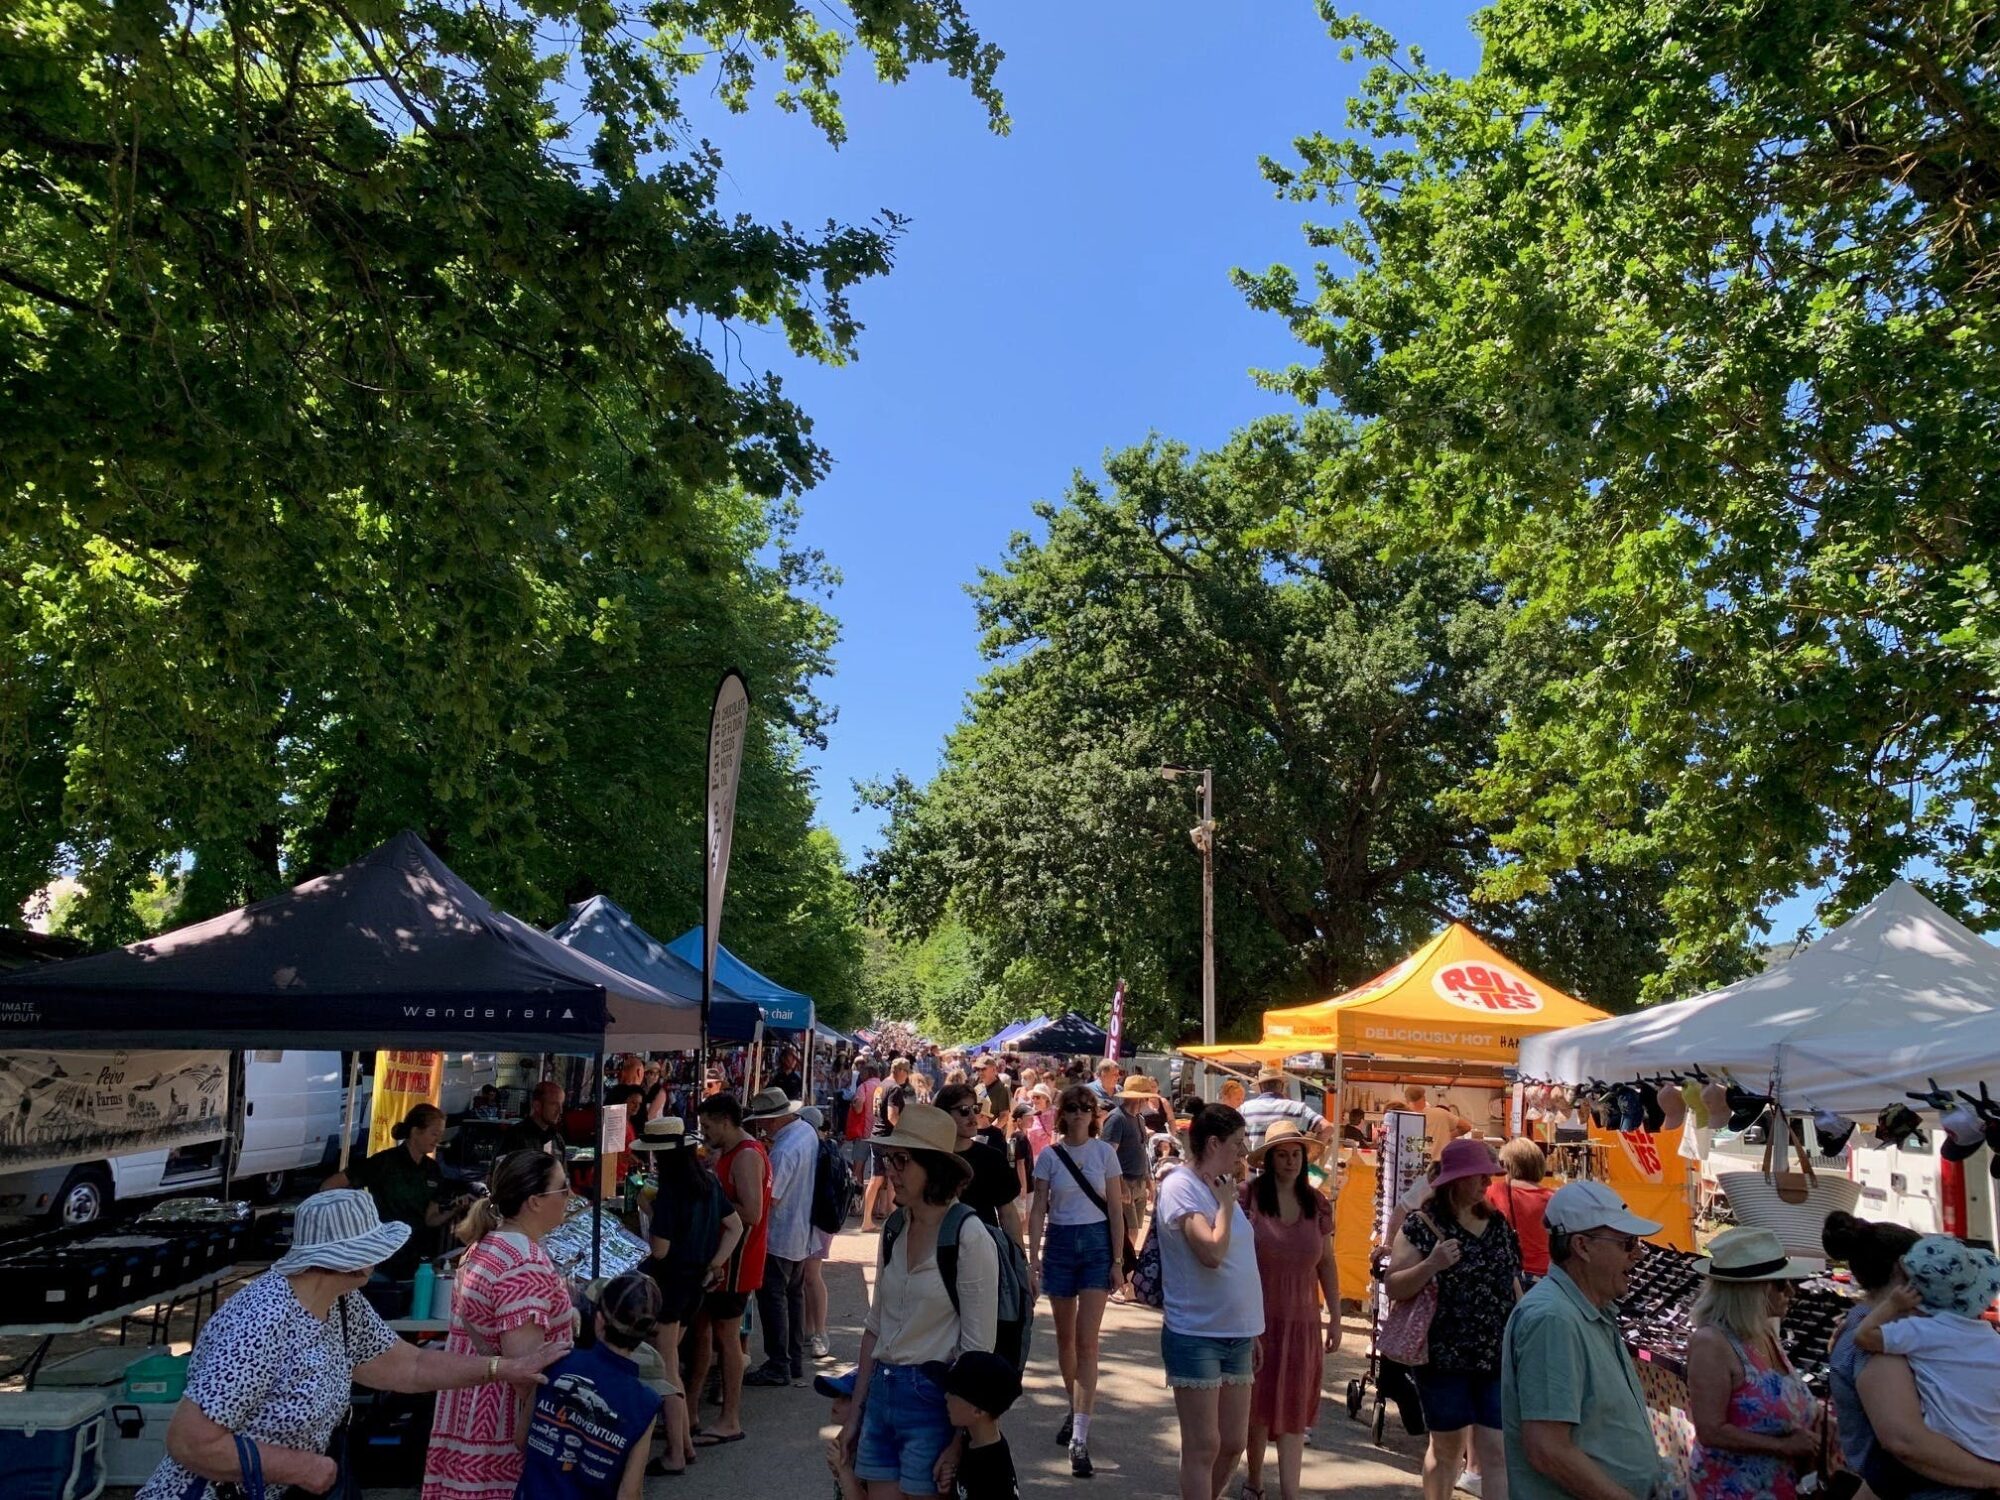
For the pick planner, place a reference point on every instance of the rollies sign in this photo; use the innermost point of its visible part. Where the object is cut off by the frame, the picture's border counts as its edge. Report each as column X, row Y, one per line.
column 1489, row 988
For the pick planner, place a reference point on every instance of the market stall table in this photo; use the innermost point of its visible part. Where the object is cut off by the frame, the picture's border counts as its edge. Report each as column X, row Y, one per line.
column 163, row 1303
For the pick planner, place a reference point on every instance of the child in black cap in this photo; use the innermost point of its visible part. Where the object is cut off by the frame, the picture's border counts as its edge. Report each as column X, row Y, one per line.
column 978, row 1388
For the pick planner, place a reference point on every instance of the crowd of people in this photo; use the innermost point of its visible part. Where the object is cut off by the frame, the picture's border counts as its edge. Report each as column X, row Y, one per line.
column 992, row 1188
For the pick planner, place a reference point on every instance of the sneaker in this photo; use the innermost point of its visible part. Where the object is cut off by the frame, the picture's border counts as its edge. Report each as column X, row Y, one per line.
column 1079, row 1461
column 1469, row 1483
column 817, row 1343
column 766, row 1376
column 1066, row 1431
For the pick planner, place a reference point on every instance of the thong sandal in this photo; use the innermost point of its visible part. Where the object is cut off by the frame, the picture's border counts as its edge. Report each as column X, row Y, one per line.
column 716, row 1439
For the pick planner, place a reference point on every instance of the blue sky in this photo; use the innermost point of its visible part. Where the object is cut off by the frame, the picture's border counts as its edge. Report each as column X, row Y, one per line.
column 1061, row 291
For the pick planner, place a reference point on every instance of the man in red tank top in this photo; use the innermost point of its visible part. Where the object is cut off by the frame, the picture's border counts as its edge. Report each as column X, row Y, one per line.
column 745, row 1174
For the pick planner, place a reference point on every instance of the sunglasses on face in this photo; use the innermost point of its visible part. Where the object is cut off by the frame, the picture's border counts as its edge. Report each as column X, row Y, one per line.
column 1626, row 1242
column 895, row 1161
column 966, row 1111
column 551, row 1192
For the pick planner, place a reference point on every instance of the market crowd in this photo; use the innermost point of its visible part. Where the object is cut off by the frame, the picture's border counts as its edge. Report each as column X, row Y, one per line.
column 993, row 1184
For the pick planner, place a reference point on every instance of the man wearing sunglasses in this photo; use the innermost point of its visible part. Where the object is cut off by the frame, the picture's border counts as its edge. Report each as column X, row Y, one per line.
column 1573, row 1418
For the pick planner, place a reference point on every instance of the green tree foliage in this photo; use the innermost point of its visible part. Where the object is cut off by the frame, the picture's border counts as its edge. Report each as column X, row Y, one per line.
column 1684, row 314
column 376, row 451
column 1177, row 613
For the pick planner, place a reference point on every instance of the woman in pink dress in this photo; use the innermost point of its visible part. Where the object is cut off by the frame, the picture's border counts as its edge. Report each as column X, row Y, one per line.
column 1293, row 1223
column 509, row 1300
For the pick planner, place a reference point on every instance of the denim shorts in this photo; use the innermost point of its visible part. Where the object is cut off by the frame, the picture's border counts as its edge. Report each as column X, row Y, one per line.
column 1076, row 1258
column 1204, row 1363
column 903, row 1430
column 1454, row 1400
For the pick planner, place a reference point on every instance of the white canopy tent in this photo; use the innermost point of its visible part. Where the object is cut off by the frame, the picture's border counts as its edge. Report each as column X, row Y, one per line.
column 1898, row 994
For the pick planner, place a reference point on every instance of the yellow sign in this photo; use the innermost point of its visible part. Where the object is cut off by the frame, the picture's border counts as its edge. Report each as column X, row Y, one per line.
column 403, row 1080
column 1646, row 1169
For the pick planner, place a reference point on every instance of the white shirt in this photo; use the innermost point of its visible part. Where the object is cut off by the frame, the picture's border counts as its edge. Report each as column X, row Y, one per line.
column 1068, row 1203
column 1221, row 1302
column 1956, row 1363
column 794, row 1155
column 911, row 1316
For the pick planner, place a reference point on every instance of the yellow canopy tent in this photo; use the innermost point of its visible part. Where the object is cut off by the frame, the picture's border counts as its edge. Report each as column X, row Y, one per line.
column 1454, row 999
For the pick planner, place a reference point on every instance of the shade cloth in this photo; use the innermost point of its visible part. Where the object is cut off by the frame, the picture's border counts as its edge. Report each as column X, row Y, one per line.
column 1455, row 998
column 392, row 947
column 784, row 1010
column 603, row 929
column 1899, row 993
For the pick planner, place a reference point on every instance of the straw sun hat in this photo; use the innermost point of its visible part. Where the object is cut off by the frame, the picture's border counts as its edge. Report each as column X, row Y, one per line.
column 1747, row 1254
column 1287, row 1133
column 665, row 1134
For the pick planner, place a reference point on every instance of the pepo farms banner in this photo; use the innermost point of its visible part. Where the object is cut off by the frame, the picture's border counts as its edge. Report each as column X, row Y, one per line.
column 403, row 1080
column 62, row 1107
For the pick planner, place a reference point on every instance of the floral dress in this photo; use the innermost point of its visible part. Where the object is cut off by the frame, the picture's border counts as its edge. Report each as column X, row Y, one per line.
column 1772, row 1399
column 505, row 1282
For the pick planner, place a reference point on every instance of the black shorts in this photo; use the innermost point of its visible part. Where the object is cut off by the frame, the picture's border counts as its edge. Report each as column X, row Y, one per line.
column 724, row 1307
column 680, row 1292
column 875, row 1166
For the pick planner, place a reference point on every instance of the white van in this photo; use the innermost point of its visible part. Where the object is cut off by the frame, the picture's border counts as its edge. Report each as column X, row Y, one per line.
column 293, row 1105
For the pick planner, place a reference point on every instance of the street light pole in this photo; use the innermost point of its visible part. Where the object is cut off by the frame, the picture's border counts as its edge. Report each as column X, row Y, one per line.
column 1203, row 835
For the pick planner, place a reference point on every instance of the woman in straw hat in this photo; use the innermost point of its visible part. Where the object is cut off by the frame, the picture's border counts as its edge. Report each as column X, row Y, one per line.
column 274, row 1369
column 1756, row 1425
column 898, row 1436
column 1292, row 1223
column 1455, row 1240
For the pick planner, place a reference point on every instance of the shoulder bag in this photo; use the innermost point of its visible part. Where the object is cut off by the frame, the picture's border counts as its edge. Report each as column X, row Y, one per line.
column 1405, row 1334
column 1130, row 1261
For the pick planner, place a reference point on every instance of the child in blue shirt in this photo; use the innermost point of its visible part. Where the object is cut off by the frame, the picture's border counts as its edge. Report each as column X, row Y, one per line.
column 593, row 1419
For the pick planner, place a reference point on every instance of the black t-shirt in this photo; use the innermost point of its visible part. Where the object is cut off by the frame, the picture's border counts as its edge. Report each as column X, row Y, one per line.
column 994, row 1136
column 1023, row 1157
column 890, row 1096
column 994, row 1184
column 987, row 1473
column 792, row 1084
column 691, row 1223
column 526, row 1135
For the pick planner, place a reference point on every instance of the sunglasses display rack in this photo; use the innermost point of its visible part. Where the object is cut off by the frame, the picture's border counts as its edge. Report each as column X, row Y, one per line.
column 1657, row 1314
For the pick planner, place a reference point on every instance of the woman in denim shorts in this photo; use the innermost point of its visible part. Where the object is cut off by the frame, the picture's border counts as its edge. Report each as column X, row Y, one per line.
column 898, row 1436
column 1213, row 1332
column 1076, row 1239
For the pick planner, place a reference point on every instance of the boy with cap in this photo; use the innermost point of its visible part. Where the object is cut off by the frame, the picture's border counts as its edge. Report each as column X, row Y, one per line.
column 978, row 1388
column 1573, row 1419
column 1953, row 1353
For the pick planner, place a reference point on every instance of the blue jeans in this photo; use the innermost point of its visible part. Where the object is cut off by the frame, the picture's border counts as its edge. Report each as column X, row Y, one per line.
column 903, row 1429
column 1200, row 1363
column 1076, row 1258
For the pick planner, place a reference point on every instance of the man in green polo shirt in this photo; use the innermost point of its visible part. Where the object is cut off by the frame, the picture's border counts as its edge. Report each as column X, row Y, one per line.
column 1573, row 1417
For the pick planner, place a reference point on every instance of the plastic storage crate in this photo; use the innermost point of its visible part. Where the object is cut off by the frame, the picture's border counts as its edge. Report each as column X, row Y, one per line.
column 135, row 1442
column 52, row 1444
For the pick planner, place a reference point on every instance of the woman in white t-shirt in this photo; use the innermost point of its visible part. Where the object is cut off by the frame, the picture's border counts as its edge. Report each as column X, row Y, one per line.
column 1212, row 1340
column 1075, row 1253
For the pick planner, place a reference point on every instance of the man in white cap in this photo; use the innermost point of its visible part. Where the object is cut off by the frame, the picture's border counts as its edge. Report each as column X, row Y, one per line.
column 1574, row 1420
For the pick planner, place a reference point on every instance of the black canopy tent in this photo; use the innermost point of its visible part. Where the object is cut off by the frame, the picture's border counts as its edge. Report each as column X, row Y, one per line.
column 391, row 950
column 1067, row 1035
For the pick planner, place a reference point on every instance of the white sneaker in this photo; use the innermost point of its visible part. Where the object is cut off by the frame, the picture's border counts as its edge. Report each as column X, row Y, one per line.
column 817, row 1344
column 1469, row 1483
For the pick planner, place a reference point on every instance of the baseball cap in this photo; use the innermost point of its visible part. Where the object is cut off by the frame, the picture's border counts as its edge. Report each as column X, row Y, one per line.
column 836, row 1387
column 1579, row 1206
column 981, row 1379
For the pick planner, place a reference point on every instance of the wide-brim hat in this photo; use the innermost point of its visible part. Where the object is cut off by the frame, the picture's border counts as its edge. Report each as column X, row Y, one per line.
column 340, row 1230
column 921, row 1127
column 1139, row 1086
column 1750, row 1254
column 668, row 1133
column 771, row 1104
column 1466, row 1157
column 1287, row 1133
column 1272, row 1073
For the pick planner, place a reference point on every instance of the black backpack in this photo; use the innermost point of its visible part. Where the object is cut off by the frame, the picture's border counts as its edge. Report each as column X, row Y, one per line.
column 833, row 1188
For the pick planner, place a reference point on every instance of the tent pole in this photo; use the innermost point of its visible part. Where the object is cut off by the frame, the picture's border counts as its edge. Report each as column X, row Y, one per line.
column 347, row 1116
column 755, row 1075
column 603, row 1166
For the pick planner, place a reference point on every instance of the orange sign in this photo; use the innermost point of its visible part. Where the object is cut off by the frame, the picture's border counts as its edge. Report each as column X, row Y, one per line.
column 403, row 1080
column 1648, row 1172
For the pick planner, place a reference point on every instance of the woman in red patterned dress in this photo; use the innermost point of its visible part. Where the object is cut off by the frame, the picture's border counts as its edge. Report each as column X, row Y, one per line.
column 509, row 1301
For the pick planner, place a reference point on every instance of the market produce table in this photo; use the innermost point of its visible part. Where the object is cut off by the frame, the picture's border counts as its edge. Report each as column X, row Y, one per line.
column 163, row 1302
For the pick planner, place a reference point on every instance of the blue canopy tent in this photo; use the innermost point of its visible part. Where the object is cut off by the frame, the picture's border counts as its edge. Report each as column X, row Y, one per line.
column 604, row 930
column 1006, row 1034
column 1069, row 1035
column 783, row 1009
